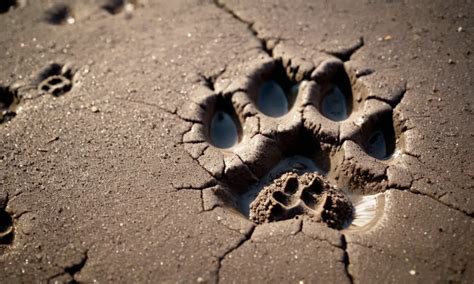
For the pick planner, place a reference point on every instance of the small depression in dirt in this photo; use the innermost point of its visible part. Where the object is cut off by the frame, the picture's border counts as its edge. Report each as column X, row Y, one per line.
column 380, row 138
column 224, row 133
column 9, row 99
column 59, row 14
column 224, row 130
column 6, row 5
column 296, row 163
column 6, row 228
column 272, row 100
column 334, row 105
column 297, row 186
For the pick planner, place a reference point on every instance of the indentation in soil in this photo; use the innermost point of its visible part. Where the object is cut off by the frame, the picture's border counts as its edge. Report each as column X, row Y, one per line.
column 56, row 79
column 6, row 229
column 336, row 100
column 59, row 14
column 225, row 130
column 308, row 194
column 9, row 99
column 288, row 139
column 6, row 5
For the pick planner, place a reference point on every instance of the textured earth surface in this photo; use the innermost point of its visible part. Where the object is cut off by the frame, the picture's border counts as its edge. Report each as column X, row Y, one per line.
column 101, row 180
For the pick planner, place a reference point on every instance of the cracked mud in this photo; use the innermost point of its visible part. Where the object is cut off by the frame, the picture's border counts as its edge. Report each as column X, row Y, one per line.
column 209, row 141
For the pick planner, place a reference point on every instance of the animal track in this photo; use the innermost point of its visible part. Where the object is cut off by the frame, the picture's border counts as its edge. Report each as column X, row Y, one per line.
column 56, row 79
column 288, row 126
column 293, row 194
column 60, row 14
column 6, row 230
column 9, row 99
column 6, row 5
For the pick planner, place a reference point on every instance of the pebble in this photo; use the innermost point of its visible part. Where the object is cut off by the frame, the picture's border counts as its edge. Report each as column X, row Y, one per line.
column 412, row 272
column 94, row 109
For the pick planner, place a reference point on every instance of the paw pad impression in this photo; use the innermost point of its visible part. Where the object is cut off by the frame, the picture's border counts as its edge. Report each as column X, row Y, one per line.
column 307, row 194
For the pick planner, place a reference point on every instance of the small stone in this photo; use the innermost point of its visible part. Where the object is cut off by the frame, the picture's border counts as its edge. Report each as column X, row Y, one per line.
column 459, row 29
column 94, row 109
column 450, row 61
column 412, row 272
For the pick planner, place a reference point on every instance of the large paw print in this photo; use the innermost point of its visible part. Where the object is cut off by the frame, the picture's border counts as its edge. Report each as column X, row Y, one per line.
column 292, row 138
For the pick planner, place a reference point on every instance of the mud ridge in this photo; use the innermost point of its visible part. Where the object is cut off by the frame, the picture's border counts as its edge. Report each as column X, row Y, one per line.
column 208, row 184
column 346, row 53
column 394, row 103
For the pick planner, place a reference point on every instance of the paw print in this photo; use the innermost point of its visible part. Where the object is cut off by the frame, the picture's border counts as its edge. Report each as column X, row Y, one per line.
column 9, row 99
column 292, row 195
column 56, row 79
column 293, row 137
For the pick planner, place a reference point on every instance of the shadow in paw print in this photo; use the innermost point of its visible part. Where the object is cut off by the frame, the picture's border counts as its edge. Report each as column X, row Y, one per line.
column 335, row 103
column 6, row 5
column 9, row 99
column 59, row 14
column 225, row 130
column 377, row 136
column 55, row 79
column 276, row 94
column 6, row 228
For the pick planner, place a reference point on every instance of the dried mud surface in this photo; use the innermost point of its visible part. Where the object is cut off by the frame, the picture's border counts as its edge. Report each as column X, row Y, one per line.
column 108, row 174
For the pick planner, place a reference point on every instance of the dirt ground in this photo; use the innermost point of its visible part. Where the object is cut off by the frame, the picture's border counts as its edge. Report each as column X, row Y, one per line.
column 110, row 170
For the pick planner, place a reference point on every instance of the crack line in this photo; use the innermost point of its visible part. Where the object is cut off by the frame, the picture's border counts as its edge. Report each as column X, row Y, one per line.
column 238, row 245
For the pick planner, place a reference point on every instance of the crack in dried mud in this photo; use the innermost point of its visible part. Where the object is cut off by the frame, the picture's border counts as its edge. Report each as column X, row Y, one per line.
column 250, row 26
column 450, row 206
column 246, row 237
column 346, row 259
